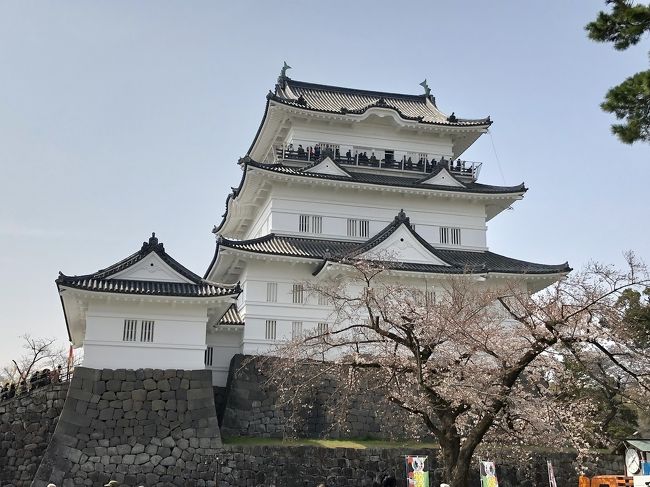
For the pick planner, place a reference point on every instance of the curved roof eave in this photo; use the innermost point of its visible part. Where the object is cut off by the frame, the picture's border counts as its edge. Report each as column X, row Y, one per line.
column 519, row 190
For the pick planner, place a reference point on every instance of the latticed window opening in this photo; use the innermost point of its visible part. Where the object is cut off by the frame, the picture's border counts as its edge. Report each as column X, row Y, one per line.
column 310, row 224
column 296, row 329
column 449, row 235
column 271, row 329
column 146, row 331
column 271, row 292
column 303, row 223
column 208, row 355
column 129, row 332
column 317, row 224
column 322, row 328
column 358, row 228
column 298, row 294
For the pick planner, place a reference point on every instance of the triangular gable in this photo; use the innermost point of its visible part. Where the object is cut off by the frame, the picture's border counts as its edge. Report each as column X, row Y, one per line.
column 403, row 246
column 329, row 167
column 443, row 178
column 150, row 268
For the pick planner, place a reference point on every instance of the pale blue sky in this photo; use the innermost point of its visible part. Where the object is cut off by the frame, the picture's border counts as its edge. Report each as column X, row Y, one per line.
column 121, row 118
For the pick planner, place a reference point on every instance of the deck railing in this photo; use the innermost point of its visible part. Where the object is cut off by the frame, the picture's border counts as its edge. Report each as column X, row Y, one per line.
column 406, row 161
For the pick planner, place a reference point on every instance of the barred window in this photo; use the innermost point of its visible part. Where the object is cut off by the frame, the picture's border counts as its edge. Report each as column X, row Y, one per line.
column 146, row 331
column 317, row 224
column 298, row 294
column 449, row 235
column 303, row 223
column 310, row 224
column 271, row 292
column 358, row 228
column 208, row 355
column 431, row 297
column 444, row 235
column 271, row 329
column 322, row 299
column 129, row 332
column 455, row 236
column 322, row 328
column 296, row 329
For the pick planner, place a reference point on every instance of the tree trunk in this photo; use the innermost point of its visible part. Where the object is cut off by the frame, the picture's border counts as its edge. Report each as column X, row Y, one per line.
column 456, row 462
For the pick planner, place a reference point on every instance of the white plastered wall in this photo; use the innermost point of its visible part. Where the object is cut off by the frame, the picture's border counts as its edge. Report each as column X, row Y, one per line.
column 372, row 133
column 336, row 206
column 179, row 335
column 225, row 342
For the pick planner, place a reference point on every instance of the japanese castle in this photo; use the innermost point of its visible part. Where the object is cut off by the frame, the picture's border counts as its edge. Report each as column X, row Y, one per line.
column 332, row 174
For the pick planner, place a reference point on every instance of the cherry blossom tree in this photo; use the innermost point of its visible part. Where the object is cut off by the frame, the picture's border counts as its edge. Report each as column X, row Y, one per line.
column 38, row 352
column 480, row 364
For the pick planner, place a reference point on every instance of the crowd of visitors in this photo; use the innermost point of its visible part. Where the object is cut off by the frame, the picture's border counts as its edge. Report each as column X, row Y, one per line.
column 385, row 160
column 25, row 385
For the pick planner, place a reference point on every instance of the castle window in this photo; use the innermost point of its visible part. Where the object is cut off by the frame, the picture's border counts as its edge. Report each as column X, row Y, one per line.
column 129, row 331
column 450, row 236
column 271, row 292
column 317, row 224
column 358, row 228
column 310, row 224
column 271, row 329
column 208, row 355
column 146, row 331
column 303, row 223
column 296, row 329
column 322, row 328
column 298, row 293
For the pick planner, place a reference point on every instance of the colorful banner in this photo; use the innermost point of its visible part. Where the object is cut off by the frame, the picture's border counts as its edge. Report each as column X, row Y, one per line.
column 551, row 474
column 488, row 475
column 415, row 474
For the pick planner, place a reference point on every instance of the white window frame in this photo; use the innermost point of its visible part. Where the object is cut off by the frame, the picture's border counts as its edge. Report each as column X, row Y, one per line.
column 129, row 332
column 322, row 328
column 303, row 223
column 296, row 329
column 450, row 236
column 455, row 236
column 358, row 228
column 271, row 331
column 147, row 330
column 316, row 224
column 208, row 356
column 298, row 294
column 310, row 224
column 271, row 292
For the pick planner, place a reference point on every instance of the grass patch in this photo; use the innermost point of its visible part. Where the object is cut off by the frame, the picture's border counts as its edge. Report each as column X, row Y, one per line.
column 355, row 444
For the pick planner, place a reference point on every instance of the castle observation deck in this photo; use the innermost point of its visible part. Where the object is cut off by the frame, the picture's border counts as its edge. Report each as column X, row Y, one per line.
column 380, row 159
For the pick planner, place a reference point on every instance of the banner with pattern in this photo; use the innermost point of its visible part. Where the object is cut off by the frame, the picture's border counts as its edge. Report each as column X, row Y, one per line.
column 488, row 475
column 415, row 474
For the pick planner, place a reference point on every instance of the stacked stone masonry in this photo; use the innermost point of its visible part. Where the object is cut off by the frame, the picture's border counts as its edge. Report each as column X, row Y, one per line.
column 252, row 409
column 265, row 466
column 139, row 427
column 26, row 426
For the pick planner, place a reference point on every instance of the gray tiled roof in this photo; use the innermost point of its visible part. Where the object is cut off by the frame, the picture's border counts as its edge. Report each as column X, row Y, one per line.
column 460, row 261
column 159, row 288
column 336, row 99
column 390, row 180
column 101, row 280
column 231, row 317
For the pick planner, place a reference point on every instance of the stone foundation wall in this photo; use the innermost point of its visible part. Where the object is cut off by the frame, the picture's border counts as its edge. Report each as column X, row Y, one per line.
column 26, row 426
column 139, row 427
column 246, row 466
column 252, row 409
